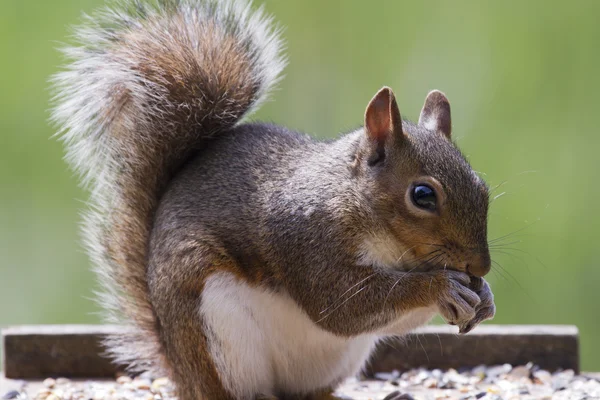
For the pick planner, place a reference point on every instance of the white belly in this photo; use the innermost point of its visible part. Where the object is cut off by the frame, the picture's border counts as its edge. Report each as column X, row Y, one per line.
column 263, row 343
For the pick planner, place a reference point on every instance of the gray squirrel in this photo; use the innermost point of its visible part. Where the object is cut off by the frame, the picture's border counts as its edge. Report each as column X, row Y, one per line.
column 248, row 261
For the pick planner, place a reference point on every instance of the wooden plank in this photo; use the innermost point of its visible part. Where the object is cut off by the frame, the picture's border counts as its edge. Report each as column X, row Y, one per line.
column 74, row 350
column 32, row 352
column 550, row 347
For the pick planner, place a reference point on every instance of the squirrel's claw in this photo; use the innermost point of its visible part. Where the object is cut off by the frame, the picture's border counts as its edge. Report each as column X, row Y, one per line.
column 482, row 315
column 485, row 310
column 457, row 302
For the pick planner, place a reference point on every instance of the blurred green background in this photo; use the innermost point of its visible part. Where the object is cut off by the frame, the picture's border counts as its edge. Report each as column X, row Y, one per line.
column 523, row 81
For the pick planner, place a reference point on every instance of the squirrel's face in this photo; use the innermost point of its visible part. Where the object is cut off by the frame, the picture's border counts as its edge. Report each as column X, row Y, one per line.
column 423, row 192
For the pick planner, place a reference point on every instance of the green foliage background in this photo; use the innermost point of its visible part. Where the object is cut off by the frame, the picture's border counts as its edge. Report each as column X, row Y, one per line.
column 523, row 81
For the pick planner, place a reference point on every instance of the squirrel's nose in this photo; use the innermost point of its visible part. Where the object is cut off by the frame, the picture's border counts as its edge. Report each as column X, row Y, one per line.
column 479, row 265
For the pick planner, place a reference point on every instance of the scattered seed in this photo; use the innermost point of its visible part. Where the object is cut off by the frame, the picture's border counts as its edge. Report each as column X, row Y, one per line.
column 13, row 394
column 482, row 382
column 123, row 379
column 159, row 383
column 49, row 382
column 142, row 383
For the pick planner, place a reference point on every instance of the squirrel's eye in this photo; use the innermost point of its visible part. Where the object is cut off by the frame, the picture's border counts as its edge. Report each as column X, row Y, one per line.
column 424, row 197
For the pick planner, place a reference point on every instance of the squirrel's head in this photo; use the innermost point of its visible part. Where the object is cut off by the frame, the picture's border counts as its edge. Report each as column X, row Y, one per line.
column 430, row 207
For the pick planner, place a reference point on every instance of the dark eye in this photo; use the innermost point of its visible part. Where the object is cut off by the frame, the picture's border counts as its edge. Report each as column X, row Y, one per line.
column 424, row 197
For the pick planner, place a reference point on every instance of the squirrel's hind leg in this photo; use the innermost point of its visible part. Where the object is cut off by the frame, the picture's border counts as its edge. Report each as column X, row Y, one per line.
column 186, row 347
column 176, row 296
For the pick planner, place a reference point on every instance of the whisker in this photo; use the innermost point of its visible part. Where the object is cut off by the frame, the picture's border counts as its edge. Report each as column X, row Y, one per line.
column 515, row 281
column 509, row 234
column 409, row 271
column 393, row 286
column 495, row 271
column 512, row 235
column 427, row 255
column 505, row 244
column 513, row 256
column 403, row 254
column 344, row 302
column 512, row 249
column 431, row 244
column 498, row 186
column 507, row 272
column 349, row 289
column 500, row 270
column 507, row 251
column 531, row 171
column 421, row 344
column 497, row 197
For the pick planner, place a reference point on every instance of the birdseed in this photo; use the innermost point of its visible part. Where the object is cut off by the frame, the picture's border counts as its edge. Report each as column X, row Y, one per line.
column 500, row 382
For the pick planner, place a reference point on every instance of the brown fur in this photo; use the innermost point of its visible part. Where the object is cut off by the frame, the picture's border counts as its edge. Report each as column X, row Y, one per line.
column 151, row 110
column 176, row 70
column 149, row 85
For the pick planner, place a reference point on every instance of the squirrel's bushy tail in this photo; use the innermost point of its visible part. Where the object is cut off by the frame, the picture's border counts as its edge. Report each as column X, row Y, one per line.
column 147, row 83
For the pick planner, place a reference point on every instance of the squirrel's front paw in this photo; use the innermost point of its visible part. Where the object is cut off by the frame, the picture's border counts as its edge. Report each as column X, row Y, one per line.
column 486, row 309
column 457, row 302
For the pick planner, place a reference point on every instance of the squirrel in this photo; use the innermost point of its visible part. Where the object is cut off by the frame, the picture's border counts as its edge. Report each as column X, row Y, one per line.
column 246, row 260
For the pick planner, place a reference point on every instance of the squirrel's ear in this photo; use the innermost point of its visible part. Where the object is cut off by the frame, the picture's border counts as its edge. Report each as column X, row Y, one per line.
column 382, row 118
column 435, row 115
